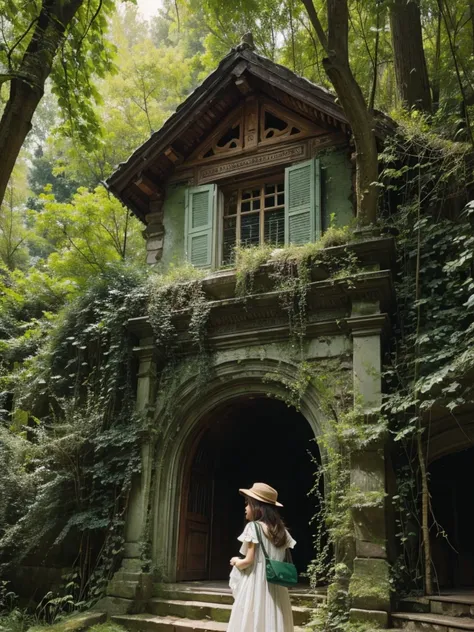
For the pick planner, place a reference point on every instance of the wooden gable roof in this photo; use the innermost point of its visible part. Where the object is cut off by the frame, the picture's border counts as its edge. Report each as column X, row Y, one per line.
column 140, row 179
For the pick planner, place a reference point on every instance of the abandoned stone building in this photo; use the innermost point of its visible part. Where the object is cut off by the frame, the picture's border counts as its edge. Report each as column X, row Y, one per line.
column 256, row 155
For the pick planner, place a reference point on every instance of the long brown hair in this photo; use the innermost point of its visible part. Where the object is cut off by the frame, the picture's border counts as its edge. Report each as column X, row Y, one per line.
column 268, row 514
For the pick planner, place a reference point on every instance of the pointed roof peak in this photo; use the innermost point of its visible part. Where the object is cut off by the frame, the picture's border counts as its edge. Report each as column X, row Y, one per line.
column 209, row 103
column 246, row 43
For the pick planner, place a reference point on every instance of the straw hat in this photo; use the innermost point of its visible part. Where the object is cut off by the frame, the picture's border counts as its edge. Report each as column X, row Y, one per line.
column 262, row 492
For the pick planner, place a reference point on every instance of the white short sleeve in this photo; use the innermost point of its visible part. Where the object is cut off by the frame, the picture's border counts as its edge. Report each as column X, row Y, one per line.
column 249, row 535
column 290, row 543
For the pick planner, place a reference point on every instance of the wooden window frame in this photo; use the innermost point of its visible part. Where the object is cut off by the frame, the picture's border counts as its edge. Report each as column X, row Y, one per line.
column 241, row 186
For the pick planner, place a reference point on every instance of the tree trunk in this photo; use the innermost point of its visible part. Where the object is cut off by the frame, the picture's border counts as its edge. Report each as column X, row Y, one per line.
column 435, row 84
column 352, row 101
column 376, row 62
column 409, row 56
column 464, row 110
column 425, row 517
column 27, row 86
column 471, row 13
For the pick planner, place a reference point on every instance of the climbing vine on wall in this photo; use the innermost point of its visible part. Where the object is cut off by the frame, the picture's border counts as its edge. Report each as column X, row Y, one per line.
column 346, row 430
column 429, row 184
column 72, row 447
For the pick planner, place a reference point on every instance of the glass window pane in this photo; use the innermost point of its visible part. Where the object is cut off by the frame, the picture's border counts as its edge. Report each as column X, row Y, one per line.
column 274, row 227
column 269, row 188
column 256, row 205
column 281, row 199
column 269, row 201
column 229, row 241
column 230, row 203
column 250, row 230
column 255, row 193
column 246, row 195
column 280, row 187
column 245, row 207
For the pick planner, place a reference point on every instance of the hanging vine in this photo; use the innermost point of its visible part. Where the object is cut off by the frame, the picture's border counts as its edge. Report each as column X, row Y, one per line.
column 431, row 349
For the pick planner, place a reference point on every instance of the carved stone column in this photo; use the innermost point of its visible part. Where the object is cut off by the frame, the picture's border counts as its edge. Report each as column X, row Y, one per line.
column 140, row 492
column 131, row 586
column 369, row 585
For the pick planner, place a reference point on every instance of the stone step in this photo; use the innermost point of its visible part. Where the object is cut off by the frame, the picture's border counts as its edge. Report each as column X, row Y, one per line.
column 452, row 607
column 187, row 594
column 413, row 604
column 224, row 596
column 150, row 623
column 301, row 615
column 429, row 622
column 219, row 612
column 467, row 598
column 456, row 605
column 124, row 589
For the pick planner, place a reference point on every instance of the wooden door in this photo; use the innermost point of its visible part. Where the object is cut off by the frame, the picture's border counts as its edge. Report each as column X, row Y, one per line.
column 196, row 516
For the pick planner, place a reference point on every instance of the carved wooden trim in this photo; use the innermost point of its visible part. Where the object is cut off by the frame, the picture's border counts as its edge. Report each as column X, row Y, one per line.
column 234, row 117
column 306, row 127
column 261, row 160
column 250, row 116
column 251, row 122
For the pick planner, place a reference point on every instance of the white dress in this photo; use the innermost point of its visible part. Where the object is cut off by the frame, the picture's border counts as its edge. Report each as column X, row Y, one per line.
column 258, row 605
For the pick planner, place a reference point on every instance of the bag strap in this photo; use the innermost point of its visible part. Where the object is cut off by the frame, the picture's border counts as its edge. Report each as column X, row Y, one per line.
column 288, row 556
column 259, row 536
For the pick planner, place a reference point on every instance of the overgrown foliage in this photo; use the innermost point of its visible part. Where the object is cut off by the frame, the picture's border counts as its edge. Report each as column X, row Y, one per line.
column 71, row 446
column 431, row 364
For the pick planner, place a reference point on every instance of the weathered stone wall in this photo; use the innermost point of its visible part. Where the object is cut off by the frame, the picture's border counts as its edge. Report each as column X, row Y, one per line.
column 253, row 356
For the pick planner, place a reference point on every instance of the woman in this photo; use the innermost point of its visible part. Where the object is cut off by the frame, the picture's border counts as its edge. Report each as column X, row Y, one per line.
column 258, row 605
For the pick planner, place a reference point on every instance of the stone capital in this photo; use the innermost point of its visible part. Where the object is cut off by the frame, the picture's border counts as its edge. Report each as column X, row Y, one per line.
column 370, row 325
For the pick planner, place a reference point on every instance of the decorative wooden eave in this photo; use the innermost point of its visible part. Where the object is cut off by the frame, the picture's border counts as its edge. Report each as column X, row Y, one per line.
column 140, row 179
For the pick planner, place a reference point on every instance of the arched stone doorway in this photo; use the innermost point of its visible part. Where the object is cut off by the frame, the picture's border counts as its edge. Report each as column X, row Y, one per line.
column 233, row 383
column 452, row 500
column 247, row 439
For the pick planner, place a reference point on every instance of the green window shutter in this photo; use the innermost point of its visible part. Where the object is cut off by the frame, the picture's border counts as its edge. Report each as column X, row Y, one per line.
column 200, row 225
column 303, row 202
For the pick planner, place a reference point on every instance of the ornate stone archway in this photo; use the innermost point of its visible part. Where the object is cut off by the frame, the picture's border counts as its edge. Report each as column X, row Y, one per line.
column 232, row 380
column 258, row 363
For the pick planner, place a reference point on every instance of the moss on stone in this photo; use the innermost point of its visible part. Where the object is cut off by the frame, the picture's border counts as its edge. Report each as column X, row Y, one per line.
column 93, row 621
column 370, row 586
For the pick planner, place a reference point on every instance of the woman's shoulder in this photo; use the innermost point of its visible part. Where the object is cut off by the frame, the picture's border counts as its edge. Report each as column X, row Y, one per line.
column 249, row 534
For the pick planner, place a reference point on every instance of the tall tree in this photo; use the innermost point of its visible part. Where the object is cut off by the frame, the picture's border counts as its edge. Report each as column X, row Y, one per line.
column 61, row 38
column 409, row 56
column 13, row 229
column 337, row 67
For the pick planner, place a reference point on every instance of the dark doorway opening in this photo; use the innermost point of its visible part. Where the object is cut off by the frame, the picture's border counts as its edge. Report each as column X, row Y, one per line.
column 246, row 441
column 452, row 498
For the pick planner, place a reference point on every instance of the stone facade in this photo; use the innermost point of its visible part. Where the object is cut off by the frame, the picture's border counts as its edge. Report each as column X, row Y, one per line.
column 347, row 324
column 207, row 150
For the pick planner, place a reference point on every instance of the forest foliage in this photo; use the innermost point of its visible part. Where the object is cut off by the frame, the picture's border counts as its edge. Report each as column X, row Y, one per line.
column 71, row 256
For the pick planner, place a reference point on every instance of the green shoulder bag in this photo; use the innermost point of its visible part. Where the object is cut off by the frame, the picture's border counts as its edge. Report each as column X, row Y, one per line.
column 281, row 573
